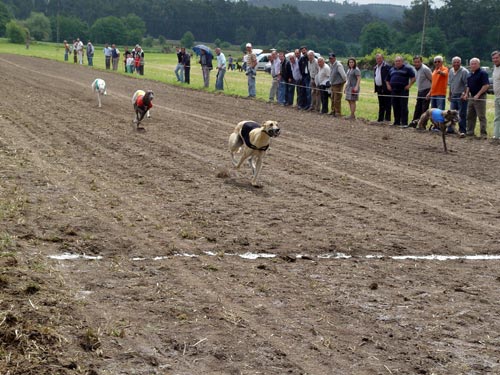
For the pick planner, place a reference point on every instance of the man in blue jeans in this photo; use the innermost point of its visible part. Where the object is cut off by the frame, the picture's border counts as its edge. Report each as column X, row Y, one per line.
column 250, row 61
column 457, row 81
column 477, row 85
column 221, row 69
column 179, row 68
column 437, row 95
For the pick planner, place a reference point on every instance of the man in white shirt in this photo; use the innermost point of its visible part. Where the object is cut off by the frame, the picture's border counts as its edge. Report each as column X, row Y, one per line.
column 221, row 69
column 322, row 80
column 312, row 66
column 79, row 50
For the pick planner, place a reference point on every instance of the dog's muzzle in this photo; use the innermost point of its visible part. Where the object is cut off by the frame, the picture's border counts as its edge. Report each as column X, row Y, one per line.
column 273, row 132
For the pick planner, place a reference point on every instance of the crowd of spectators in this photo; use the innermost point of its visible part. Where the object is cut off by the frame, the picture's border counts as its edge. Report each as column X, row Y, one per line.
column 306, row 79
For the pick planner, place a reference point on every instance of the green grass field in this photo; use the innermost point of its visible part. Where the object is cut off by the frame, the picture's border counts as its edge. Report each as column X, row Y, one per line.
column 160, row 67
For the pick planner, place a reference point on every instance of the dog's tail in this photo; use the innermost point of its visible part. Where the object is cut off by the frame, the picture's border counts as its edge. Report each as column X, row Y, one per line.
column 235, row 142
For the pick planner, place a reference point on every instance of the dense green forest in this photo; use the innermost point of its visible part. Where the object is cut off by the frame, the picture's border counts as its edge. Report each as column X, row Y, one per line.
column 460, row 27
column 337, row 9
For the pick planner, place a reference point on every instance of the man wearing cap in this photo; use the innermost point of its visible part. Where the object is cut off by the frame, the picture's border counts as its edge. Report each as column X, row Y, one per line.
column 251, row 63
column 337, row 81
column 439, row 84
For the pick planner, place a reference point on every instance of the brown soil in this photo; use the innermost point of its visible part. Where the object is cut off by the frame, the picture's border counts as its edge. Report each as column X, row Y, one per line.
column 79, row 179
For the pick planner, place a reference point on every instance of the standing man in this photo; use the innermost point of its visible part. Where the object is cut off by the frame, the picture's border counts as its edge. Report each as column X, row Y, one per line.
column 380, row 72
column 179, row 68
column 282, row 100
column 305, row 102
column 275, row 72
column 115, row 56
column 457, row 80
column 79, row 50
column 107, row 55
column 495, row 57
column 439, row 84
column 186, row 62
column 423, row 82
column 90, row 53
column 221, row 69
column 295, row 79
column 477, row 85
column 321, row 79
column 337, row 81
column 206, row 64
column 399, row 81
column 251, row 63
column 313, row 68
column 139, row 60
column 66, row 50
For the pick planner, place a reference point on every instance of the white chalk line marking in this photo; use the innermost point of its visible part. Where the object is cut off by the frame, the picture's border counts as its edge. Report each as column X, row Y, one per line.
column 255, row 256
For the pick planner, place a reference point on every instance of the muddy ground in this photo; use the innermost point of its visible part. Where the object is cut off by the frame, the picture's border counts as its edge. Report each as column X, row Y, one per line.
column 162, row 220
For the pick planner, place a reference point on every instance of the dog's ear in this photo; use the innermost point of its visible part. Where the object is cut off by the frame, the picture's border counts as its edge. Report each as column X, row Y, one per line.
column 269, row 124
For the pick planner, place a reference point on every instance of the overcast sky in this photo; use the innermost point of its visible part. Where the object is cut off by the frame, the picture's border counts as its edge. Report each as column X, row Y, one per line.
column 395, row 2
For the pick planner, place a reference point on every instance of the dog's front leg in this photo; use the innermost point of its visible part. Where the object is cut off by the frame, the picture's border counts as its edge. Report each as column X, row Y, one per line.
column 243, row 157
column 251, row 162
column 256, row 172
column 99, row 99
column 443, row 133
column 148, row 114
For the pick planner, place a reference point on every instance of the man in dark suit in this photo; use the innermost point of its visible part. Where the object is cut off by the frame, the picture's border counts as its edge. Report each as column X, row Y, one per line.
column 380, row 72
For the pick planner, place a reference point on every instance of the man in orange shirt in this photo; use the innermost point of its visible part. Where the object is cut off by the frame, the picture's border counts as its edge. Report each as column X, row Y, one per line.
column 439, row 84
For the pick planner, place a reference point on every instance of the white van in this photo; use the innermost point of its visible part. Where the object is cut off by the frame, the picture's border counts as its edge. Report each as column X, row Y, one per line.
column 262, row 60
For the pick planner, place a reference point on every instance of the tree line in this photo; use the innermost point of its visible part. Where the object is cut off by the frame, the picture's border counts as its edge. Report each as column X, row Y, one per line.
column 460, row 27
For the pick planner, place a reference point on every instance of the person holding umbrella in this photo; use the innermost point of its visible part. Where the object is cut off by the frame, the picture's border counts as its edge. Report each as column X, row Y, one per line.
column 221, row 69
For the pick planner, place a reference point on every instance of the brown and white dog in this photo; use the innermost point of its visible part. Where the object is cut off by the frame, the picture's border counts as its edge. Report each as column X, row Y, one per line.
column 252, row 140
column 440, row 119
column 143, row 102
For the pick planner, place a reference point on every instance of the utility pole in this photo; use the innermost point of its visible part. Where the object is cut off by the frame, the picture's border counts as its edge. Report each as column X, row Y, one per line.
column 425, row 3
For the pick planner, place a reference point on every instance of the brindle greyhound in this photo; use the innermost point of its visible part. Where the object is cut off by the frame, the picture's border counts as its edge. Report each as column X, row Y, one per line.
column 440, row 119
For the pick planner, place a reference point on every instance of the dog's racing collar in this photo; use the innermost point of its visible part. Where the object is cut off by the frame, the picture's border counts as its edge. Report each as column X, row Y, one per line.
column 245, row 135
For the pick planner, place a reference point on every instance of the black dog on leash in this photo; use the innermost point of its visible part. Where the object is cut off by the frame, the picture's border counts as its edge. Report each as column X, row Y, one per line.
column 143, row 102
column 440, row 119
